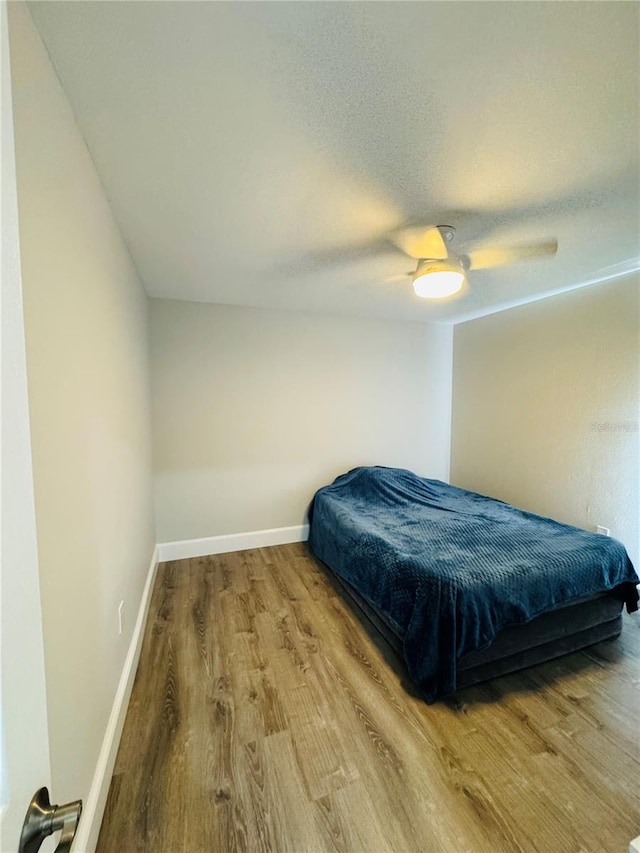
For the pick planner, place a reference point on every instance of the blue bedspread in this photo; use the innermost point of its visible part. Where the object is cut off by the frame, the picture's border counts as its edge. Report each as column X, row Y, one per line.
column 451, row 568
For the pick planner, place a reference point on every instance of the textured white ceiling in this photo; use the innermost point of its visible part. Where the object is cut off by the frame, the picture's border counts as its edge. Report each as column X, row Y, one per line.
column 247, row 148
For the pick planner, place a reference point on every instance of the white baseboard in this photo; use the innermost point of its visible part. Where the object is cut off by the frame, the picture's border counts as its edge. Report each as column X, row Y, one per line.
column 187, row 548
column 634, row 846
column 93, row 808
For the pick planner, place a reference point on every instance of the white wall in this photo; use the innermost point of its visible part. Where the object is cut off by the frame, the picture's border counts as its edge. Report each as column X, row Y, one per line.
column 253, row 410
column 546, row 405
column 87, row 367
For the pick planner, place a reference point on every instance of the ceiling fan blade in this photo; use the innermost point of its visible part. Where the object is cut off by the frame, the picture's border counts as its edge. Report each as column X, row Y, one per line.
column 317, row 261
column 485, row 258
column 402, row 277
column 421, row 243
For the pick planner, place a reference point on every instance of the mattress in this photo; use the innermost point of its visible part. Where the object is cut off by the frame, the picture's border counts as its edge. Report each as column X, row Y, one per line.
column 449, row 570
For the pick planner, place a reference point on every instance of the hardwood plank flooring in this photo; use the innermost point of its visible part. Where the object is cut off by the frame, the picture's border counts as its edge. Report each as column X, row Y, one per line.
column 265, row 716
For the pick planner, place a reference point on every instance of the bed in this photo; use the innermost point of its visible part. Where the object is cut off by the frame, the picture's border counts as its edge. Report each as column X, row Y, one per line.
column 464, row 586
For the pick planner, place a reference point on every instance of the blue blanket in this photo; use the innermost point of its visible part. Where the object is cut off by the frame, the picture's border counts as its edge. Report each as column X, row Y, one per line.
column 450, row 568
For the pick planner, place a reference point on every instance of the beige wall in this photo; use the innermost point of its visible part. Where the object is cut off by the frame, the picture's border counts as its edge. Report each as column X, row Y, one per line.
column 87, row 367
column 546, row 407
column 253, row 410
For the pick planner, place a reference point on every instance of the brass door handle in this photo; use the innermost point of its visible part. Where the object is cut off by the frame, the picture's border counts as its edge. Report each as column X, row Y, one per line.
column 43, row 819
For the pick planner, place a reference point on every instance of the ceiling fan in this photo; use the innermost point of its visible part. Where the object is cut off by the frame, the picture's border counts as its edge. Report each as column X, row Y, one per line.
column 442, row 273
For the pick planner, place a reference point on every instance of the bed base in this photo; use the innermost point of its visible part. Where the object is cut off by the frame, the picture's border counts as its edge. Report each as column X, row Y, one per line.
column 558, row 632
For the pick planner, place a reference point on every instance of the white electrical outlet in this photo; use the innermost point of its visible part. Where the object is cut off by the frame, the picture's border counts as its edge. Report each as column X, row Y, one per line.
column 604, row 530
column 120, row 617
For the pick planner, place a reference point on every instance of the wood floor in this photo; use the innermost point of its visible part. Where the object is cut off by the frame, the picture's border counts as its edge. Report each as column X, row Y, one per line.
column 265, row 717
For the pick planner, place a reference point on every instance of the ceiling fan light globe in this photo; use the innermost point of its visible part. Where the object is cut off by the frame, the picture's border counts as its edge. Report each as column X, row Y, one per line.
column 431, row 282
